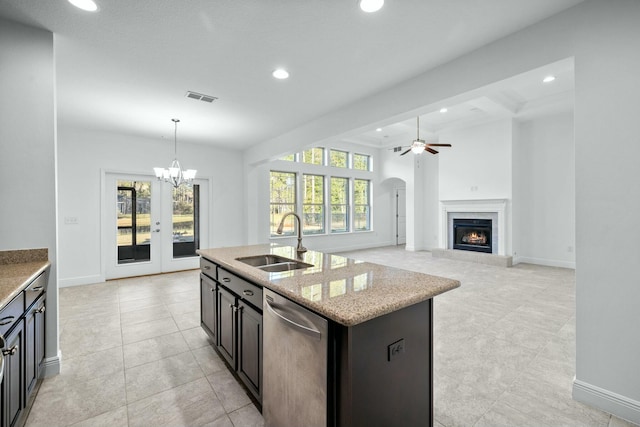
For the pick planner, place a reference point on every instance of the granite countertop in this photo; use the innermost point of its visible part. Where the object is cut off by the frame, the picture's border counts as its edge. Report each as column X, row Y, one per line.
column 17, row 269
column 344, row 290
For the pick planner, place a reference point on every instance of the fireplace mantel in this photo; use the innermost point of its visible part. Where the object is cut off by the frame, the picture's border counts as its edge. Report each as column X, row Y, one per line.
column 490, row 206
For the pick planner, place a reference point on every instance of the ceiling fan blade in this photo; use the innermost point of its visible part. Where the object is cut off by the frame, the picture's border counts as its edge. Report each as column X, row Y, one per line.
column 405, row 152
column 439, row 145
column 430, row 150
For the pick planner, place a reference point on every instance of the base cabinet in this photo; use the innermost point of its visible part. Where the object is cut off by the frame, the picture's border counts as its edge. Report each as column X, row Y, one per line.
column 22, row 325
column 229, row 316
column 13, row 382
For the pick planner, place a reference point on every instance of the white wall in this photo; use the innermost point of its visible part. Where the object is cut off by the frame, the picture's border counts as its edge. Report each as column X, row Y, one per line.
column 84, row 155
column 257, row 204
column 544, row 191
column 27, row 156
column 478, row 166
column 602, row 38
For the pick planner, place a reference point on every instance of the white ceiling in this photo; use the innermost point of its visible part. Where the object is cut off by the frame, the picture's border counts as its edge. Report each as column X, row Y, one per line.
column 126, row 69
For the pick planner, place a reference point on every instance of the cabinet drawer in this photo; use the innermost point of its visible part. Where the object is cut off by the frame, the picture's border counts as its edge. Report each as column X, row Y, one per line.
column 34, row 290
column 11, row 313
column 208, row 268
column 245, row 290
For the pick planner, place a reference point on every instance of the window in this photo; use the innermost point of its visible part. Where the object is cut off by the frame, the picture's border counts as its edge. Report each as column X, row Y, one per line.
column 314, row 156
column 313, row 204
column 282, row 201
column 339, row 205
column 338, row 159
column 361, row 203
column 361, row 162
column 289, row 158
column 186, row 220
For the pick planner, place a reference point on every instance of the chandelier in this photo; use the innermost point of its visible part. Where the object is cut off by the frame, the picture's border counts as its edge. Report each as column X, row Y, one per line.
column 174, row 173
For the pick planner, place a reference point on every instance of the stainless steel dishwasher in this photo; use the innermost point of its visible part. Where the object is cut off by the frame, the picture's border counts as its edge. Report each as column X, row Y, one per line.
column 294, row 364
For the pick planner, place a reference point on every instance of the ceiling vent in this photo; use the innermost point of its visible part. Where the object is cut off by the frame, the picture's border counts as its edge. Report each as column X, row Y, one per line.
column 200, row 96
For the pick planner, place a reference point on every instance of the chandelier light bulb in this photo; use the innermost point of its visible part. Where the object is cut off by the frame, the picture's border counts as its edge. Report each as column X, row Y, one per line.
column 88, row 5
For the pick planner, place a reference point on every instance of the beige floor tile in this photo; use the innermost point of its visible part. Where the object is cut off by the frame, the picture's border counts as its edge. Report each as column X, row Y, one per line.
column 209, row 360
column 114, row 418
column 146, row 330
column 191, row 404
column 196, row 338
column 83, row 336
column 247, row 416
column 152, row 349
column 229, row 391
column 187, row 320
column 145, row 314
column 161, row 375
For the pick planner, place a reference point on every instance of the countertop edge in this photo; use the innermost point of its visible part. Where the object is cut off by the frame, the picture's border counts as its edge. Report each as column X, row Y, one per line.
column 445, row 285
column 25, row 282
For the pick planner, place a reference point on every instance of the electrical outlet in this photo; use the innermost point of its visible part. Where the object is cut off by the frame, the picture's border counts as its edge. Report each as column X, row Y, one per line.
column 569, row 249
column 395, row 350
column 71, row 220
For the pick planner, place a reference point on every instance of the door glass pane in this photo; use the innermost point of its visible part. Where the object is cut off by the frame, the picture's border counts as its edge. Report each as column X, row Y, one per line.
column 133, row 210
column 185, row 219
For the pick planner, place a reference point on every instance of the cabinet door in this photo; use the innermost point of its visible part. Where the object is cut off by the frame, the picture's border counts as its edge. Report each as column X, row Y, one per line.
column 227, row 325
column 208, row 307
column 34, row 344
column 13, row 380
column 250, row 348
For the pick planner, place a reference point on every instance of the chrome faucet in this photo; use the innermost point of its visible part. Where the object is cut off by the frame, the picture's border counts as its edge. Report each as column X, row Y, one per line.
column 300, row 249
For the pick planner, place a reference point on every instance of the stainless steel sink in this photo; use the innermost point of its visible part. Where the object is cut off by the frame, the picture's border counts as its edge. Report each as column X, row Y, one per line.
column 273, row 263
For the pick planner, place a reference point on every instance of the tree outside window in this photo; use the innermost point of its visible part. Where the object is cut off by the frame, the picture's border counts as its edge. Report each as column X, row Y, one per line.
column 362, row 204
column 313, row 204
column 338, row 159
column 339, row 205
column 282, row 201
column 289, row 157
column 314, row 156
column 361, row 162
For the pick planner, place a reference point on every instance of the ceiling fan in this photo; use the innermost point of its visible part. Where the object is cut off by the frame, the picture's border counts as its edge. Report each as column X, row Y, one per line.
column 419, row 145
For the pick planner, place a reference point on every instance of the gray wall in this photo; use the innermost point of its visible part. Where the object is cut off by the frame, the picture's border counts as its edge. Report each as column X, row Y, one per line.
column 27, row 155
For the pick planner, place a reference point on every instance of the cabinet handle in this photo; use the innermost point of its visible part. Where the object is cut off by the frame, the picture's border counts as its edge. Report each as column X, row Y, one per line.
column 37, row 288
column 226, row 279
column 10, row 351
column 247, row 292
column 41, row 309
column 6, row 320
column 207, row 267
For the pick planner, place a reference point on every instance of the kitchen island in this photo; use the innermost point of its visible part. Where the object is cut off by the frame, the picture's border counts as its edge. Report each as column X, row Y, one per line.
column 376, row 360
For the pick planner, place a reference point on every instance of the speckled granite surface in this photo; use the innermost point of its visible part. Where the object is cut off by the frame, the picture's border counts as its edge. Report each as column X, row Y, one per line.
column 18, row 269
column 344, row 290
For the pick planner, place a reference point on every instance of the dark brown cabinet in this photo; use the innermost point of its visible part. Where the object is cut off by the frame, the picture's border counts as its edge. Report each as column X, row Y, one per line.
column 250, row 348
column 22, row 324
column 13, row 380
column 227, row 325
column 231, row 315
column 208, row 297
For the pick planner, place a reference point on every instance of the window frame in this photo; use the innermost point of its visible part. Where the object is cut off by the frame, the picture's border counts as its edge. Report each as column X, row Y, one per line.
column 353, row 162
column 294, row 204
column 321, row 205
column 367, row 205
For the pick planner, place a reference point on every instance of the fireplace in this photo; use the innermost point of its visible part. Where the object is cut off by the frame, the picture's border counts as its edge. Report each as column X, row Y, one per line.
column 472, row 235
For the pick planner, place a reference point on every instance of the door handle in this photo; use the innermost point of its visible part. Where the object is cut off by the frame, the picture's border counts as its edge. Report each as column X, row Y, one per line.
column 157, row 230
column 309, row 331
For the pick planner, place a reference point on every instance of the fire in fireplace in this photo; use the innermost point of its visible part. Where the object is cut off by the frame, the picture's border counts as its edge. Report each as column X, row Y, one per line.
column 472, row 235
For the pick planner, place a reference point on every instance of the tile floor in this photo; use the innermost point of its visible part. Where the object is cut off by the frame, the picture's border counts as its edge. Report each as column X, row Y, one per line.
column 134, row 353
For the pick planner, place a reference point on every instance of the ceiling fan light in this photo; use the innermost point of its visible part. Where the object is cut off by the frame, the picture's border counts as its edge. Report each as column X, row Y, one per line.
column 417, row 147
column 371, row 5
column 88, row 5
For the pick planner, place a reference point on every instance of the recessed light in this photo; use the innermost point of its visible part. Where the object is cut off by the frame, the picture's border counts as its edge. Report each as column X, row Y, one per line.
column 378, row 129
column 371, row 5
column 548, row 79
column 280, row 74
column 443, row 110
column 88, row 5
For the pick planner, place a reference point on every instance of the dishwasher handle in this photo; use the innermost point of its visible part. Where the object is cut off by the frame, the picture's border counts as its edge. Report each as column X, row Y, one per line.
column 309, row 331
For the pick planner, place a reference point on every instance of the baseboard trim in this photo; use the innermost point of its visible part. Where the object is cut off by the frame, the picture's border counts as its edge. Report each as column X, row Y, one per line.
column 608, row 401
column 546, row 262
column 51, row 365
column 82, row 280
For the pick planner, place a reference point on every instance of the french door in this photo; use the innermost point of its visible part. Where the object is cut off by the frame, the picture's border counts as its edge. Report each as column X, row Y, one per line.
column 150, row 227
